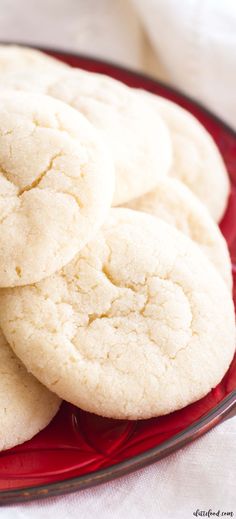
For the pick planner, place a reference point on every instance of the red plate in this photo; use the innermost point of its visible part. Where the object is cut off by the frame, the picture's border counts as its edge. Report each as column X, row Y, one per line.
column 79, row 449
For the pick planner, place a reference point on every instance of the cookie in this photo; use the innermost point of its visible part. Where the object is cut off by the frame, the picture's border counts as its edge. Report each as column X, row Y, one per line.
column 197, row 161
column 139, row 324
column 14, row 58
column 26, row 407
column 56, row 185
column 27, row 80
column 139, row 140
column 173, row 202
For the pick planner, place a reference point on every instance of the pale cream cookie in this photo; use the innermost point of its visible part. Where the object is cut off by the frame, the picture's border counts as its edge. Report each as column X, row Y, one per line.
column 139, row 324
column 26, row 407
column 17, row 58
column 139, row 140
column 27, row 80
column 173, row 202
column 56, row 185
column 27, row 69
column 197, row 161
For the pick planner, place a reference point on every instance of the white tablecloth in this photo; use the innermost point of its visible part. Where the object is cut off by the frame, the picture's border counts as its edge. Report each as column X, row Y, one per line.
column 191, row 44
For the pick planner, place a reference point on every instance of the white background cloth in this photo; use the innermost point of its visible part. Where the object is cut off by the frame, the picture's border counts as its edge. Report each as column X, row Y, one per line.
column 192, row 45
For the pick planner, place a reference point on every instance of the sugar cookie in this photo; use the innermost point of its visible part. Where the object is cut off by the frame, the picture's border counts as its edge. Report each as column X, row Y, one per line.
column 197, row 161
column 138, row 140
column 173, row 202
column 27, row 80
column 26, row 407
column 15, row 58
column 139, row 324
column 56, row 185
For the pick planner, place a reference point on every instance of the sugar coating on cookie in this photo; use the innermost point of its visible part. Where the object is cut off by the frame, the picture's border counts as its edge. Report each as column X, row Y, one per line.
column 27, row 80
column 197, row 161
column 138, row 140
column 139, row 324
column 56, row 185
column 26, row 407
column 173, row 202
column 14, row 58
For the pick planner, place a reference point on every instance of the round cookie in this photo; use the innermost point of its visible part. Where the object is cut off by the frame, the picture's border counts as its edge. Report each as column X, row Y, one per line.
column 173, row 202
column 139, row 141
column 197, row 161
column 29, row 81
column 56, row 185
column 26, row 407
column 139, row 324
column 14, row 58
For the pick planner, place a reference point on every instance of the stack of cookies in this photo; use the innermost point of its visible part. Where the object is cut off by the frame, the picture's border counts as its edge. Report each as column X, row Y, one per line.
column 116, row 284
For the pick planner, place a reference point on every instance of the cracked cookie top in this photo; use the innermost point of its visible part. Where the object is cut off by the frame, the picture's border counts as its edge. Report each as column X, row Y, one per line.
column 26, row 406
column 173, row 202
column 56, row 185
column 139, row 324
column 139, row 141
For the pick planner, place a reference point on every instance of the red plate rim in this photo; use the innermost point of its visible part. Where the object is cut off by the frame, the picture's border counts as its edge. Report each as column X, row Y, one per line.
column 221, row 411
